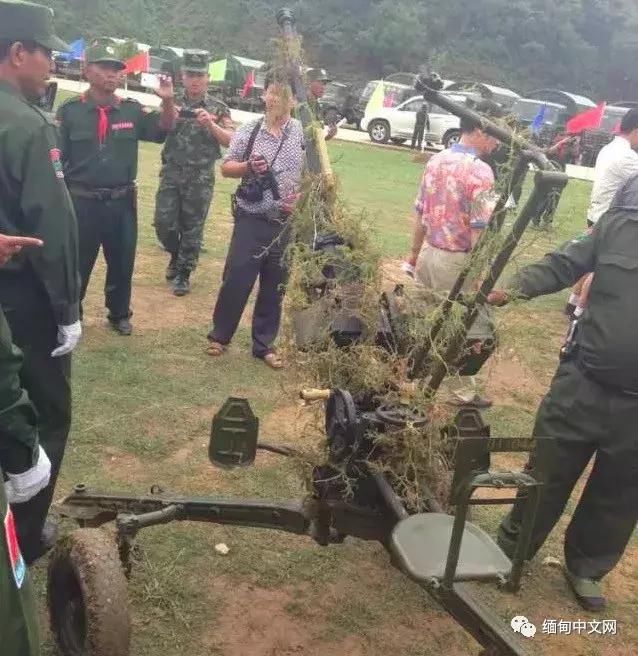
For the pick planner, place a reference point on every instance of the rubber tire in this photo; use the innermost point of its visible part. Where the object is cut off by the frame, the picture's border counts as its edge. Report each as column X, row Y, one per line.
column 87, row 562
column 447, row 138
column 387, row 131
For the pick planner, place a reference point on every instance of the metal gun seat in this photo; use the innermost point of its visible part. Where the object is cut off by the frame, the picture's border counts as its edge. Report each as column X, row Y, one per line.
column 421, row 544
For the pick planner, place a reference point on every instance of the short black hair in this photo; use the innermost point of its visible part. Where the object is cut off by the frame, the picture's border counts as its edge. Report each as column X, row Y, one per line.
column 274, row 78
column 5, row 46
column 629, row 121
column 487, row 108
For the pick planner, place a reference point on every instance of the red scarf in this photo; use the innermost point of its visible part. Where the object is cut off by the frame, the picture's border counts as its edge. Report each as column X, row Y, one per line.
column 102, row 122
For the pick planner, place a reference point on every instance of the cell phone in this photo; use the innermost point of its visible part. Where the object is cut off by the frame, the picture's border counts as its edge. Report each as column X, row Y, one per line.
column 187, row 113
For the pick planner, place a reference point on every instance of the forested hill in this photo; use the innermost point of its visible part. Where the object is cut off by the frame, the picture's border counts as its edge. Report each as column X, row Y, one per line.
column 589, row 46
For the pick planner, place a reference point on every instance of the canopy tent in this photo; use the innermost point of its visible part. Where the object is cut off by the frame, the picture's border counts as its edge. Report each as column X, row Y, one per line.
column 232, row 70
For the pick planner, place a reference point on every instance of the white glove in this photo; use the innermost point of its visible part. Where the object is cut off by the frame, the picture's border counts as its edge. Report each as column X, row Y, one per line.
column 68, row 338
column 22, row 487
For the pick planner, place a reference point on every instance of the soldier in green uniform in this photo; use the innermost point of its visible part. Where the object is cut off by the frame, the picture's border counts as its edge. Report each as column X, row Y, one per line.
column 188, row 175
column 39, row 289
column 99, row 134
column 592, row 406
column 27, row 470
column 317, row 80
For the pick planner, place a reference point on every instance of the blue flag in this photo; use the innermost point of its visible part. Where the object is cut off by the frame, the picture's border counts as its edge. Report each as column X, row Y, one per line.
column 77, row 49
column 538, row 121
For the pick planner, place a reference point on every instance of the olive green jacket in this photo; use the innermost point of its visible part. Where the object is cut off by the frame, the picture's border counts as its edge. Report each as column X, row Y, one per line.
column 606, row 337
column 34, row 201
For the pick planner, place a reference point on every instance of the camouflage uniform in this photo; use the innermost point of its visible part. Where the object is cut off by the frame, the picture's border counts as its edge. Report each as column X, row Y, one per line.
column 187, row 177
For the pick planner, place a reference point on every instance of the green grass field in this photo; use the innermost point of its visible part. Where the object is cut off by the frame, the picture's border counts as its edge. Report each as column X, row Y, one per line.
column 142, row 413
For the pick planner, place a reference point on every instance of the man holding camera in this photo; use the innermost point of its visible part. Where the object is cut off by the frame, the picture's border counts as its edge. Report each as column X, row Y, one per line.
column 99, row 136
column 268, row 156
column 188, row 175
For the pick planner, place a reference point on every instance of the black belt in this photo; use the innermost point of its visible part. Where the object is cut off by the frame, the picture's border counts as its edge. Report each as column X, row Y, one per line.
column 101, row 193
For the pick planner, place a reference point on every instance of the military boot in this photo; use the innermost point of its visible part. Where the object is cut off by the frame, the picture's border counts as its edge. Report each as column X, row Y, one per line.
column 588, row 592
column 181, row 284
column 171, row 269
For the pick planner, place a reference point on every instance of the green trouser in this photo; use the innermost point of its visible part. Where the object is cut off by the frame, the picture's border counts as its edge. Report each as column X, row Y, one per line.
column 585, row 419
column 181, row 207
column 47, row 381
column 18, row 618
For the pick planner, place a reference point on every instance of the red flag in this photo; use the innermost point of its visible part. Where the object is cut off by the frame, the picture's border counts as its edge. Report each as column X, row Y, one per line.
column 139, row 63
column 590, row 119
column 248, row 84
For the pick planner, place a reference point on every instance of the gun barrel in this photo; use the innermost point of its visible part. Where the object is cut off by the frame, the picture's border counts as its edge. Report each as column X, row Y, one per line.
column 500, row 132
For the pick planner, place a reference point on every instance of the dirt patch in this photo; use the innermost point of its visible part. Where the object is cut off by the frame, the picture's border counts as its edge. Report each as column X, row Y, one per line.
column 294, row 620
column 296, row 424
column 123, row 467
column 254, row 622
column 509, row 382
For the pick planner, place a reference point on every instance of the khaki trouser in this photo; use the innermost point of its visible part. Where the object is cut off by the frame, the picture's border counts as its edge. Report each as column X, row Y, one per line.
column 437, row 270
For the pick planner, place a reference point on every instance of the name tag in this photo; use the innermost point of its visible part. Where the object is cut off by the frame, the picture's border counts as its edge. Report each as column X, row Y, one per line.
column 125, row 125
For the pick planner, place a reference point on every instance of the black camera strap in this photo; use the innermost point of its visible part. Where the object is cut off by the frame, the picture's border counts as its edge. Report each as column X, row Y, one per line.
column 251, row 141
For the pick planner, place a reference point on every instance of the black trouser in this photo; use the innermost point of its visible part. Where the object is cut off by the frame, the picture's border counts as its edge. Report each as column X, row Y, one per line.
column 47, row 381
column 256, row 250
column 111, row 224
column 586, row 419
column 417, row 135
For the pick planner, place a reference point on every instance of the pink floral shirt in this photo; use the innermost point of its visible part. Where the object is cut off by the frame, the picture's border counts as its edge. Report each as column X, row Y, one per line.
column 456, row 195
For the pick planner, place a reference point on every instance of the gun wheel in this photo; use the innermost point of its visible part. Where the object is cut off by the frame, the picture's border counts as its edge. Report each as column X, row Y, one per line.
column 87, row 596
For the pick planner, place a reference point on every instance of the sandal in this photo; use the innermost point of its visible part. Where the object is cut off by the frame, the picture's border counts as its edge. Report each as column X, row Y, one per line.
column 273, row 360
column 215, row 349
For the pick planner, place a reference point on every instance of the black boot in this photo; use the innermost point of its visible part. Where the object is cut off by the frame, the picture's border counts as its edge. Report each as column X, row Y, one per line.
column 171, row 269
column 181, row 284
column 122, row 326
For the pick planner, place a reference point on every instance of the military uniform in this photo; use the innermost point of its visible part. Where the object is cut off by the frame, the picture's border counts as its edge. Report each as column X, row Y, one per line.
column 100, row 155
column 39, row 290
column 187, row 177
column 18, row 446
column 592, row 405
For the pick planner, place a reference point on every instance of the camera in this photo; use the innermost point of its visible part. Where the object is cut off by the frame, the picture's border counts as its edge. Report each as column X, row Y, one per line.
column 187, row 113
column 252, row 189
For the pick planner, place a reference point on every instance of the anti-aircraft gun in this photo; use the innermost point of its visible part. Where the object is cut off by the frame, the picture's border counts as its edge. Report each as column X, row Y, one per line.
column 441, row 551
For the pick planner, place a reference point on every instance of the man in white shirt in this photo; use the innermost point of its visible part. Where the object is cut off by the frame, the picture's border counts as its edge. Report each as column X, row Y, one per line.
column 615, row 164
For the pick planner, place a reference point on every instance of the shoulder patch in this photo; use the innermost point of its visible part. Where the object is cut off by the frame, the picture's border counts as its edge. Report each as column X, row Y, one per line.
column 56, row 160
column 18, row 566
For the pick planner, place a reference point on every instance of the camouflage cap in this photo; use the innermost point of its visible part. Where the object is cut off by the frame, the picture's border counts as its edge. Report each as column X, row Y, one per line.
column 318, row 75
column 102, row 53
column 26, row 21
column 196, row 61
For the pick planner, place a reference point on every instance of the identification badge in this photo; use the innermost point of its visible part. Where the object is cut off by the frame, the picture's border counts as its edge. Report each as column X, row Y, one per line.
column 18, row 566
column 56, row 159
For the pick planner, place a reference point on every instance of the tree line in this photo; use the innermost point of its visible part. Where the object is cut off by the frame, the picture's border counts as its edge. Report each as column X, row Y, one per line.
column 587, row 46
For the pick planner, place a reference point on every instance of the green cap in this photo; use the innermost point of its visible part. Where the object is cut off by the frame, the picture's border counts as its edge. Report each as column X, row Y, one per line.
column 317, row 75
column 196, row 61
column 103, row 53
column 26, row 21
